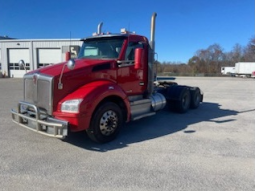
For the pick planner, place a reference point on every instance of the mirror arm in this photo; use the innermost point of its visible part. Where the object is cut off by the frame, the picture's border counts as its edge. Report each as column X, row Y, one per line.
column 60, row 85
column 70, row 65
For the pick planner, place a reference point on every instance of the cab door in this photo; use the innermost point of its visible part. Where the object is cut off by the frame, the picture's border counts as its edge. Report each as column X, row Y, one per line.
column 130, row 79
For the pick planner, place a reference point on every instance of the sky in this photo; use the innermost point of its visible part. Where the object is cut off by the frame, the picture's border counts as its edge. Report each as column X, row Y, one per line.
column 182, row 26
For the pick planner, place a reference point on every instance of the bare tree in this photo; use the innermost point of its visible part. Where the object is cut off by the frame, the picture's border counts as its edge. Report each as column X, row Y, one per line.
column 249, row 52
column 210, row 60
column 237, row 53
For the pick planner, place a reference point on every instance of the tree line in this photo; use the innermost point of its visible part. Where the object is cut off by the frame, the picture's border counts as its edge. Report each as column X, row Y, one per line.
column 208, row 62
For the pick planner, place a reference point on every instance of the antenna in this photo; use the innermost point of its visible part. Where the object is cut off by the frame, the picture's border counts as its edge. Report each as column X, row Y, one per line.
column 70, row 42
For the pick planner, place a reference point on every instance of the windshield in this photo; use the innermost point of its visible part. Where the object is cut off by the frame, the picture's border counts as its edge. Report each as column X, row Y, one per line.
column 101, row 48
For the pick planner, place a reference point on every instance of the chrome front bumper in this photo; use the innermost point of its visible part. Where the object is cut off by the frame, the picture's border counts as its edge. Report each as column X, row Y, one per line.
column 37, row 120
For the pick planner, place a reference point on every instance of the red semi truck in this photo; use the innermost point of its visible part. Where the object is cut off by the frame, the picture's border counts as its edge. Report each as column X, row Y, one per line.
column 112, row 81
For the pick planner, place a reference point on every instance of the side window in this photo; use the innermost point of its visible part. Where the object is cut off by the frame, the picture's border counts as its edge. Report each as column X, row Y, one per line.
column 130, row 52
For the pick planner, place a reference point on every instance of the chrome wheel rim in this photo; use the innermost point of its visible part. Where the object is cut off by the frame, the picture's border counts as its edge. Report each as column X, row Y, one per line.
column 108, row 123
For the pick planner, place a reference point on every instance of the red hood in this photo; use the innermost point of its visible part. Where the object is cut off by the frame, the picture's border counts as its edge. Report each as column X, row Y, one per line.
column 80, row 65
column 85, row 71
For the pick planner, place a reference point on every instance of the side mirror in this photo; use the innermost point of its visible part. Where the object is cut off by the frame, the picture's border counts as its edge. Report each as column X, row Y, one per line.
column 138, row 58
column 22, row 64
column 71, row 64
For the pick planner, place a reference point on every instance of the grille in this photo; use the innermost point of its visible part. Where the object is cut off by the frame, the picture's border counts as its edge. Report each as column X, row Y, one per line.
column 38, row 90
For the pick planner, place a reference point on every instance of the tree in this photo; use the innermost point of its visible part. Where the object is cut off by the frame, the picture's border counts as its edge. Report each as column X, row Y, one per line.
column 194, row 63
column 237, row 53
column 210, row 60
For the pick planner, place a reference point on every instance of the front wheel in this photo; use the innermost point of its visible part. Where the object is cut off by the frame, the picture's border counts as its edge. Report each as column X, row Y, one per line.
column 105, row 123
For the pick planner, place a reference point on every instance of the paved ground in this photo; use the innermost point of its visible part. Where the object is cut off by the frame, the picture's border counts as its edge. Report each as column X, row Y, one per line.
column 211, row 148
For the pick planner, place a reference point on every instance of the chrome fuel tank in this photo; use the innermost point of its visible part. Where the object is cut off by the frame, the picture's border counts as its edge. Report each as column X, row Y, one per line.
column 158, row 101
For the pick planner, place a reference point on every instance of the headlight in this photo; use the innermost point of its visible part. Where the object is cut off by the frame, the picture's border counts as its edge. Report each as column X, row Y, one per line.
column 71, row 106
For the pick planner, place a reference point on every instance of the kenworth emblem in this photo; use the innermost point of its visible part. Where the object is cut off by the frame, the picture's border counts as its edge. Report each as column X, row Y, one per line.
column 35, row 79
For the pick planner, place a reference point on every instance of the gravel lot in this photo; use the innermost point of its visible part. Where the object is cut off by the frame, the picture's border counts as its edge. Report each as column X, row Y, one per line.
column 211, row 148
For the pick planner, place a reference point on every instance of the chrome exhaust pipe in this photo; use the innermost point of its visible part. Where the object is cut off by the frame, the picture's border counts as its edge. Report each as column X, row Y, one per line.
column 151, row 76
column 99, row 28
column 152, row 40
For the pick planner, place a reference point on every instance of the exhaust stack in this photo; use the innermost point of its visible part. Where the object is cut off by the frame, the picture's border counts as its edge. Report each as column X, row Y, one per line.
column 151, row 56
column 99, row 28
column 152, row 40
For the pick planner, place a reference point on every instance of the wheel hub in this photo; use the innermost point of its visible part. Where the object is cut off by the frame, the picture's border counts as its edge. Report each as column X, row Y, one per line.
column 108, row 122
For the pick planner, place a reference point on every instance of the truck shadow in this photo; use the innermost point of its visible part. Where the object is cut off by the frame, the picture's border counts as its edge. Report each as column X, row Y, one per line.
column 163, row 123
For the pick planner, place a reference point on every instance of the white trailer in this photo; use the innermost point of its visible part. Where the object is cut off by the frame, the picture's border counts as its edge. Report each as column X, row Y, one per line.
column 244, row 69
column 228, row 70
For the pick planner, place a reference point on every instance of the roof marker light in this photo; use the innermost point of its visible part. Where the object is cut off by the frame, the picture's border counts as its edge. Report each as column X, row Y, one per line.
column 123, row 30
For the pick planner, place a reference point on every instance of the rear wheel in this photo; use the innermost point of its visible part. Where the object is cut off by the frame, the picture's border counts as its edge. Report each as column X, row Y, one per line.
column 105, row 123
column 196, row 97
column 178, row 98
column 183, row 104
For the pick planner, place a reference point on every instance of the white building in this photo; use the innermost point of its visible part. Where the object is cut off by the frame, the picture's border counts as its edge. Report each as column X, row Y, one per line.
column 35, row 53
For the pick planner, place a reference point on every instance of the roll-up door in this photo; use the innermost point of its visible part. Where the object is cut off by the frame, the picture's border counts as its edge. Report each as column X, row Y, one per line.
column 14, row 56
column 48, row 56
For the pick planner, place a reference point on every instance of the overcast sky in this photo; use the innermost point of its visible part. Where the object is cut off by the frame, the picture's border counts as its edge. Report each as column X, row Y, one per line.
column 182, row 26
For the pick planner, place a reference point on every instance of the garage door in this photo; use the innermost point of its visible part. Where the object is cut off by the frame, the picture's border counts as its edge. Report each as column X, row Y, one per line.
column 48, row 56
column 15, row 55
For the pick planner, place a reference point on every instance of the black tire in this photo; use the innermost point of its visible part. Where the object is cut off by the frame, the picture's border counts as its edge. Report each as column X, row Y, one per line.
column 105, row 123
column 178, row 98
column 183, row 104
column 195, row 97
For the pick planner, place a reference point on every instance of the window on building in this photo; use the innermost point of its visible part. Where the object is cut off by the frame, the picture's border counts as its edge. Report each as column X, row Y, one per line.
column 41, row 65
column 16, row 66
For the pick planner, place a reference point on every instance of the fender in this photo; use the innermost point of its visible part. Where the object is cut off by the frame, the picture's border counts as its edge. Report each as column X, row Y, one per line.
column 92, row 94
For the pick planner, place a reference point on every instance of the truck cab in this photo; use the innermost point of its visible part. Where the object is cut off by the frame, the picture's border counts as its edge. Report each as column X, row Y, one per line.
column 119, row 53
